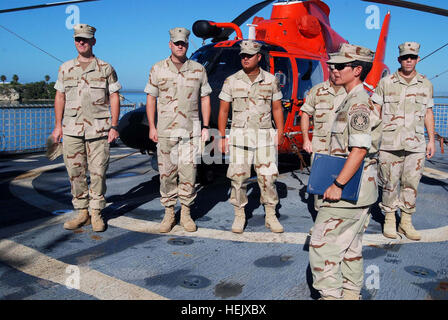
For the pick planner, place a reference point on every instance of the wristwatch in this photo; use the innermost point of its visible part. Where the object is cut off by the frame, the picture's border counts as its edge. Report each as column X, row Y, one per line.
column 205, row 127
column 339, row 185
column 115, row 128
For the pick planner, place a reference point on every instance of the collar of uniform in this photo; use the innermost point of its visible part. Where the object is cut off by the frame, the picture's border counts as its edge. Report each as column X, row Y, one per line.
column 93, row 65
column 243, row 76
column 358, row 88
column 173, row 67
column 399, row 78
column 327, row 86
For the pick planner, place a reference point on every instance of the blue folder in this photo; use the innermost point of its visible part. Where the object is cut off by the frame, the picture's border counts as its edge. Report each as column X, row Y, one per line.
column 325, row 169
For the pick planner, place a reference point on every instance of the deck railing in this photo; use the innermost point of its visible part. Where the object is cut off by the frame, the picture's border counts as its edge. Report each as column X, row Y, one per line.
column 25, row 128
column 441, row 119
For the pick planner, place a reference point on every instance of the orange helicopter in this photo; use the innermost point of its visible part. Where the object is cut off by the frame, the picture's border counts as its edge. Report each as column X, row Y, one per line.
column 295, row 40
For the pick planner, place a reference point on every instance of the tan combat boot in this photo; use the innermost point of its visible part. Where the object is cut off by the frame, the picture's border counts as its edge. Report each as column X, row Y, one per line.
column 97, row 221
column 168, row 221
column 407, row 228
column 82, row 219
column 240, row 220
column 186, row 221
column 271, row 220
column 390, row 227
column 351, row 295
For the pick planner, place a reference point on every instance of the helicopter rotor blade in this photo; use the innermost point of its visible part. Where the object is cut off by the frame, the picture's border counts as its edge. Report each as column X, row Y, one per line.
column 251, row 11
column 242, row 18
column 412, row 5
column 53, row 4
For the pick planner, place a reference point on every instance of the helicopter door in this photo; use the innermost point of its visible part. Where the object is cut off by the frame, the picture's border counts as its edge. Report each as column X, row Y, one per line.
column 310, row 73
column 282, row 68
column 283, row 73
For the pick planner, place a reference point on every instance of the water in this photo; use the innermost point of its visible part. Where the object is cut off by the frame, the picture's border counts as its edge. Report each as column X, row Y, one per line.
column 134, row 97
column 441, row 99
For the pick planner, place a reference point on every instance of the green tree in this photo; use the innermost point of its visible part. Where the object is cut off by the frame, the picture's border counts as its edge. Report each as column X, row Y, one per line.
column 37, row 90
column 3, row 78
column 47, row 78
column 15, row 79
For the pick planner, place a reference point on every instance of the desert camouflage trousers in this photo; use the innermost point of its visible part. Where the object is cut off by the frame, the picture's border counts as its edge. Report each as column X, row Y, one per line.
column 177, row 159
column 82, row 155
column 264, row 160
column 336, row 250
column 400, row 173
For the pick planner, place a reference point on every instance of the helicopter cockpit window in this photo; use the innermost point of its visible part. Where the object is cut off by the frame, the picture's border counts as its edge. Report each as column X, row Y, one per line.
column 310, row 74
column 283, row 73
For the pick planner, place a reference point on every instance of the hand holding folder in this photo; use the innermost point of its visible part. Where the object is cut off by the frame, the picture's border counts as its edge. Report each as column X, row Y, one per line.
column 325, row 169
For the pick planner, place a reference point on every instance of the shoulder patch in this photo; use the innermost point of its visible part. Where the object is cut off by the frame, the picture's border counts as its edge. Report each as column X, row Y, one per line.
column 360, row 120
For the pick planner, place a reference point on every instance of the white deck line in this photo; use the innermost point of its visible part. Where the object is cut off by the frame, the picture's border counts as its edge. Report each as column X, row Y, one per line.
column 24, row 183
column 91, row 282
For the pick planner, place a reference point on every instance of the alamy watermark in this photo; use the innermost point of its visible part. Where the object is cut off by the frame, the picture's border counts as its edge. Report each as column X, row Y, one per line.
column 74, row 16
column 372, row 277
column 373, row 20
column 73, row 280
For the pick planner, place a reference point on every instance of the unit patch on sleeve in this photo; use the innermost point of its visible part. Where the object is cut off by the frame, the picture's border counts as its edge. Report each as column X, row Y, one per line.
column 360, row 121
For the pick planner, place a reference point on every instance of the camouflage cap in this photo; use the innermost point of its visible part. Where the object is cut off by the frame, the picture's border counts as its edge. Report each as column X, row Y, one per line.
column 349, row 53
column 179, row 34
column 83, row 31
column 54, row 149
column 409, row 48
column 249, row 47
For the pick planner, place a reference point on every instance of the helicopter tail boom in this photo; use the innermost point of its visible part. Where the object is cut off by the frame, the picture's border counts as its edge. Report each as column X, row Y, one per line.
column 379, row 69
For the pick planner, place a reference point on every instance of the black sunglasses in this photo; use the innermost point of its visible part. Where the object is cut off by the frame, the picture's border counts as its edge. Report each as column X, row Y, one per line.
column 180, row 43
column 246, row 55
column 409, row 56
column 340, row 66
column 78, row 39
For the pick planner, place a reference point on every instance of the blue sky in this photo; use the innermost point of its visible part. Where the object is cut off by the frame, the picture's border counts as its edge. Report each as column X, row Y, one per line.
column 133, row 34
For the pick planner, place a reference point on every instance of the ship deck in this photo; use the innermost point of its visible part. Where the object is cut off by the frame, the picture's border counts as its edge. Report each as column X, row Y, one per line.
column 40, row 260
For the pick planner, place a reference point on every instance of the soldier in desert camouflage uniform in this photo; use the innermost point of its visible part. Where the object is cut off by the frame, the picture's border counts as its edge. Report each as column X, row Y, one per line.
column 85, row 87
column 406, row 98
column 252, row 138
column 321, row 103
column 177, row 83
column 336, row 243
